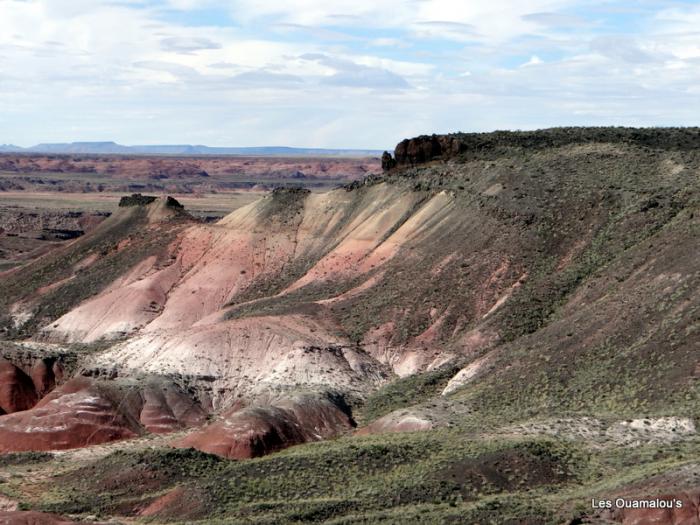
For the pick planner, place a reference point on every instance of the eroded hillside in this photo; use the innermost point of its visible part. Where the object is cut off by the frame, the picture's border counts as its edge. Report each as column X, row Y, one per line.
column 180, row 173
column 533, row 295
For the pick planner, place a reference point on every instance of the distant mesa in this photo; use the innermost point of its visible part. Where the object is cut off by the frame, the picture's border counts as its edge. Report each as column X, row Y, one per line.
column 10, row 148
column 112, row 148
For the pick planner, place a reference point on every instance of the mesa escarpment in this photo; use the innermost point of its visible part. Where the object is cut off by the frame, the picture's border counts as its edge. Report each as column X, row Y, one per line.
column 488, row 281
column 427, row 148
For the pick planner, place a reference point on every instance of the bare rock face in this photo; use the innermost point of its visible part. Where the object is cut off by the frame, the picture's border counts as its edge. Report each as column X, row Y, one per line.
column 259, row 430
column 17, row 390
column 417, row 150
column 31, row 517
column 425, row 148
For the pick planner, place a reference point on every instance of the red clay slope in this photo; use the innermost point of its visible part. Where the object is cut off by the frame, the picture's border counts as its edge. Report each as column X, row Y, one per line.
column 17, row 391
column 85, row 412
column 260, row 430
column 31, row 517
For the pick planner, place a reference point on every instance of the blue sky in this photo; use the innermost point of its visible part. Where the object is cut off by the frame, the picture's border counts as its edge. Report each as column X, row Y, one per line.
column 339, row 73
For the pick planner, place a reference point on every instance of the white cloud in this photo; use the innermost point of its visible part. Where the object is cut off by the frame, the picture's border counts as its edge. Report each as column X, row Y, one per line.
column 389, row 42
column 343, row 73
column 319, row 13
column 188, row 44
column 492, row 19
column 534, row 61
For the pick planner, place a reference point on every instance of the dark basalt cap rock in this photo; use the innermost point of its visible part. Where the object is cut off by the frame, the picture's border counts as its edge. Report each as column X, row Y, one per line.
column 170, row 202
column 136, row 199
column 293, row 190
column 388, row 161
column 427, row 148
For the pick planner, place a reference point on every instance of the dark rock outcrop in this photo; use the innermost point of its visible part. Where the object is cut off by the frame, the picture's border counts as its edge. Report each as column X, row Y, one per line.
column 388, row 161
column 171, row 202
column 426, row 148
column 136, row 199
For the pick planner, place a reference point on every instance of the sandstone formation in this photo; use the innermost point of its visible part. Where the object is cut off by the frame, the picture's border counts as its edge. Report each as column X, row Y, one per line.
column 176, row 504
column 308, row 289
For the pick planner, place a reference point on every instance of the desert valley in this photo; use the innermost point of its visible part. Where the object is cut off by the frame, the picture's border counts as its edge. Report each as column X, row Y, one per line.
column 477, row 328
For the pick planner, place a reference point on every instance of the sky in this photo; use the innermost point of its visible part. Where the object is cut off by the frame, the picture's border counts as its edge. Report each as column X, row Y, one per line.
column 339, row 73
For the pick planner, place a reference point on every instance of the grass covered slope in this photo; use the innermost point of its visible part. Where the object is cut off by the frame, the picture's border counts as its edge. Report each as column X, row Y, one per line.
column 430, row 477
